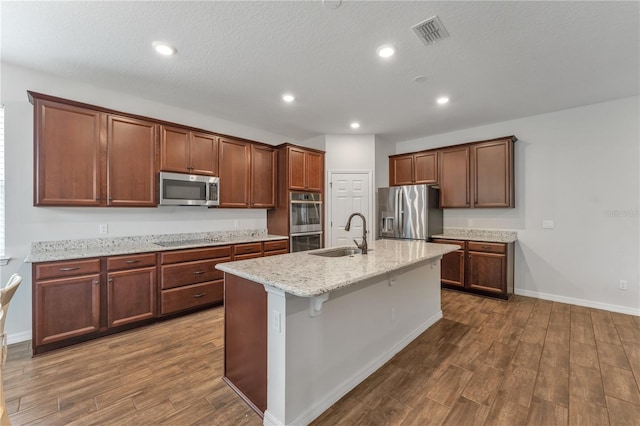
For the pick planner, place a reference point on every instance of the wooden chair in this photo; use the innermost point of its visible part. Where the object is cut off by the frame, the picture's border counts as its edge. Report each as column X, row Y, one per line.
column 6, row 294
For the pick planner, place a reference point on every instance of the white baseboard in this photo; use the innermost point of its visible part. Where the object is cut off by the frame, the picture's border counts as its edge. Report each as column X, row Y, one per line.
column 18, row 337
column 322, row 405
column 579, row 302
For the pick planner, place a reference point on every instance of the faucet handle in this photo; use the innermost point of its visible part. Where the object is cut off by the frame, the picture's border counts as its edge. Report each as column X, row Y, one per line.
column 356, row 243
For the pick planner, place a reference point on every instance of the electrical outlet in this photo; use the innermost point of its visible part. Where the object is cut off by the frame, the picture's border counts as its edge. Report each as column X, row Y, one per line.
column 103, row 229
column 277, row 321
column 236, row 224
column 469, row 222
column 624, row 285
column 547, row 224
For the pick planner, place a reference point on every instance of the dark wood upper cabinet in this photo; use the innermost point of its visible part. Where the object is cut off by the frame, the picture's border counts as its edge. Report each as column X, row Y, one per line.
column 306, row 169
column 475, row 174
column 401, row 170
column 131, row 162
column 492, row 168
column 68, row 155
column 263, row 172
column 174, row 149
column 409, row 169
column 315, row 171
column 454, row 177
column 235, row 172
column 87, row 157
column 186, row 151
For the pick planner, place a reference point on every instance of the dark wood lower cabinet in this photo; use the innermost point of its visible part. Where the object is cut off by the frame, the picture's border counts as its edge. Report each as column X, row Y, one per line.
column 479, row 267
column 452, row 267
column 66, row 308
column 131, row 296
column 82, row 299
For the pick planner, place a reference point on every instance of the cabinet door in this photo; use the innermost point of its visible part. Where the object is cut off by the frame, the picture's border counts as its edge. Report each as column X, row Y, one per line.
column 68, row 152
column 66, row 308
column 487, row 272
column 132, row 162
column 263, row 177
column 401, row 170
column 454, row 177
column 493, row 174
column 131, row 296
column 314, row 164
column 452, row 268
column 174, row 150
column 426, row 167
column 203, row 154
column 234, row 173
column 297, row 169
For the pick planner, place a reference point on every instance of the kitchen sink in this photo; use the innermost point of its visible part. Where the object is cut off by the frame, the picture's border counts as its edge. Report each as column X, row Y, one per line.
column 338, row 252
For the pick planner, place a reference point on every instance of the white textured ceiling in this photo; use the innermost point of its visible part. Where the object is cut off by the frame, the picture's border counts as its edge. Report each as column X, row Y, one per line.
column 503, row 60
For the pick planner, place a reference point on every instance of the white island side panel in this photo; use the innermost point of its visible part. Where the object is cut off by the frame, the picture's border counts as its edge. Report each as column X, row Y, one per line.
column 314, row 361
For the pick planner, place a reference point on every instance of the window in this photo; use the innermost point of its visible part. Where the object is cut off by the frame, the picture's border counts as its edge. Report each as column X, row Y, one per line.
column 2, row 254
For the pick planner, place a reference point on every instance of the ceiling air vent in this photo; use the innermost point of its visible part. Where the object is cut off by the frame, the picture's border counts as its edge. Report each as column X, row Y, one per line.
column 430, row 31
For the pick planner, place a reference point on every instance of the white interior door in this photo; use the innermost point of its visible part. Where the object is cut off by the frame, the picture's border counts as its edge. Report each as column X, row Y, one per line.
column 350, row 193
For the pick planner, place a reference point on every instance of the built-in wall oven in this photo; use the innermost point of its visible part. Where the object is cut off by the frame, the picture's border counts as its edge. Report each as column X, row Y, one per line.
column 305, row 221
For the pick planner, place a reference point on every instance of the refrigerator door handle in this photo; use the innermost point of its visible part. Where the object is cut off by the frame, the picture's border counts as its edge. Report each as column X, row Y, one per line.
column 401, row 213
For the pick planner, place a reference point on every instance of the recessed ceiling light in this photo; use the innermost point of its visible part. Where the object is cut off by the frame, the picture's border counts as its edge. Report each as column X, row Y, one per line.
column 288, row 98
column 164, row 48
column 355, row 125
column 442, row 100
column 386, row 50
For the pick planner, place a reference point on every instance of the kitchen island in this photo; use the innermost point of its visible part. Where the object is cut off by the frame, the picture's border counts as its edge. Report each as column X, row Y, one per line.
column 303, row 329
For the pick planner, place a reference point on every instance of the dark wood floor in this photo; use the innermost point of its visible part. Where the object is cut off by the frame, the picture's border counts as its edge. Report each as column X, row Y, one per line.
column 524, row 361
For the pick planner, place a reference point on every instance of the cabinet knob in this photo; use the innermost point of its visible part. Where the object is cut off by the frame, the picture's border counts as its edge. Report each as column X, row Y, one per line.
column 96, row 282
column 198, row 273
column 110, row 280
column 199, row 295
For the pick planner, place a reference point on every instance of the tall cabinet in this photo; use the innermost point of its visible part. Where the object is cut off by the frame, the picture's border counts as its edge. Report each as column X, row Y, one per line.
column 299, row 170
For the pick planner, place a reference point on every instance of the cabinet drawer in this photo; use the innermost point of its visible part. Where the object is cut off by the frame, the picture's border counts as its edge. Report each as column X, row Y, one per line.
column 275, row 252
column 195, row 254
column 180, row 299
column 187, row 273
column 487, row 247
column 247, row 256
column 66, row 269
column 452, row 242
column 247, row 248
column 275, row 245
column 131, row 261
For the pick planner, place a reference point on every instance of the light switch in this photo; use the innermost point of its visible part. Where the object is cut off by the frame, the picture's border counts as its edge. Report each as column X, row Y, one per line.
column 547, row 224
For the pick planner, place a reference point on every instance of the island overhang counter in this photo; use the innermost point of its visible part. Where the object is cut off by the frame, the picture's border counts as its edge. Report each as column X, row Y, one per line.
column 302, row 330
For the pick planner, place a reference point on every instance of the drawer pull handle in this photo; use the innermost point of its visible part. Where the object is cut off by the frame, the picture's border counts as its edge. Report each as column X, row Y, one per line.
column 198, row 273
column 75, row 268
column 199, row 295
column 132, row 261
column 486, row 247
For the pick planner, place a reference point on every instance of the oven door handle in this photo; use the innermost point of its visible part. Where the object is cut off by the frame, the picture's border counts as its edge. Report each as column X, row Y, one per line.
column 305, row 202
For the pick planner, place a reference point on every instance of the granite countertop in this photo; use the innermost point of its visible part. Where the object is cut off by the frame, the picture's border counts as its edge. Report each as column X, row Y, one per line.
column 49, row 251
column 305, row 275
column 485, row 235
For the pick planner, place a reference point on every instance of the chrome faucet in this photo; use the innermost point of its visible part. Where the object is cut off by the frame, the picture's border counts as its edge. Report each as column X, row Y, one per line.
column 347, row 227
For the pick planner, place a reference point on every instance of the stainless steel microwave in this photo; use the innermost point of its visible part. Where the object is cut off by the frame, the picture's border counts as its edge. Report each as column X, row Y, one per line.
column 182, row 189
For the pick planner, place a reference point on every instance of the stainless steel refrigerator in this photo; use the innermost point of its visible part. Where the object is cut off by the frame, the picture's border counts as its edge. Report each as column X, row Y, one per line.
column 409, row 212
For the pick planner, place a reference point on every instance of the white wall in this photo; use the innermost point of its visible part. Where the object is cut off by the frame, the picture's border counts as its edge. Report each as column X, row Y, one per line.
column 383, row 150
column 579, row 168
column 25, row 223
